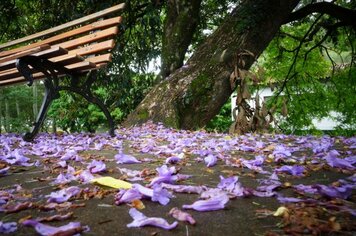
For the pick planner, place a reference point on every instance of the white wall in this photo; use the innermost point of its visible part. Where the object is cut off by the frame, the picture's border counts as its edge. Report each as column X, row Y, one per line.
column 327, row 123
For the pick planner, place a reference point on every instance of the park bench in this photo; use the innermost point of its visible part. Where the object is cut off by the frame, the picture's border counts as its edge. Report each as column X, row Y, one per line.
column 75, row 50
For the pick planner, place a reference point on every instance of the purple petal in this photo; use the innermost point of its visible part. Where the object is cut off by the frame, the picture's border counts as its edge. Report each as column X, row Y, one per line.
column 184, row 188
column 143, row 190
column 351, row 159
column 165, row 175
column 122, row 158
column 228, row 184
column 212, row 204
column 210, row 160
column 69, row 155
column 342, row 192
column 9, row 227
column 181, row 215
column 3, row 171
column 165, row 171
column 161, row 195
column 69, row 229
column 140, row 220
column 293, row 170
column 63, row 195
column 96, row 167
column 127, row 196
column 17, row 158
column 212, row 193
column 262, row 194
column 334, row 161
column 284, row 200
column 163, row 179
column 64, row 178
column 173, row 160
column 247, row 148
column 85, row 176
column 281, row 151
column 134, row 175
column 232, row 186
column 306, row 188
column 62, row 164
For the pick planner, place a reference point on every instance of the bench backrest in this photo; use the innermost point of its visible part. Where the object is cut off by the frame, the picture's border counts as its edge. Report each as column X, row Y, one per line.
column 80, row 45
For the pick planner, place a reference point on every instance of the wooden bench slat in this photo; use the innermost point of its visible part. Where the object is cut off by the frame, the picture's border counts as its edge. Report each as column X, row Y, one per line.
column 54, row 39
column 65, row 26
column 105, row 58
column 90, row 38
column 24, row 53
column 49, row 53
column 80, row 67
column 94, row 48
column 64, row 61
column 54, row 51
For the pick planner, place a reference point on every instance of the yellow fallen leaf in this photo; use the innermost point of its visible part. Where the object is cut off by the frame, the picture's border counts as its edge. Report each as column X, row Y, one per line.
column 281, row 211
column 112, row 182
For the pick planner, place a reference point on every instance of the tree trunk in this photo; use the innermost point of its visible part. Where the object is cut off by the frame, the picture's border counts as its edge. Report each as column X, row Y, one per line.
column 194, row 94
column 179, row 27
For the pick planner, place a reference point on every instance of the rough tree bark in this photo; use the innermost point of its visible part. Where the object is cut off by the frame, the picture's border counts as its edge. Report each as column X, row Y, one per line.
column 179, row 27
column 194, row 94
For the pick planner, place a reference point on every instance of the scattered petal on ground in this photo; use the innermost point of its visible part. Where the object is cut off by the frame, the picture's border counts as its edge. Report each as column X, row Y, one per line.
column 71, row 228
column 140, row 220
column 8, row 227
column 181, row 215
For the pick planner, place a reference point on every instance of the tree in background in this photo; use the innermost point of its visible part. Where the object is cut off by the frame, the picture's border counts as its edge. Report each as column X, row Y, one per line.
column 193, row 94
column 224, row 38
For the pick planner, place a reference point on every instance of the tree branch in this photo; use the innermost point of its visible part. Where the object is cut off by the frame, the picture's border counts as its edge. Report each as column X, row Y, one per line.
column 343, row 14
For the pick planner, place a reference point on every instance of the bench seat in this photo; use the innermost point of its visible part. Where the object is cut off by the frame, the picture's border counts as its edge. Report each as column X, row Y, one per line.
column 72, row 49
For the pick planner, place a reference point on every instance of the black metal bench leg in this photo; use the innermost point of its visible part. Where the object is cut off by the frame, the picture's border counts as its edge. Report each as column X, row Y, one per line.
column 101, row 105
column 47, row 100
column 90, row 98
column 51, row 88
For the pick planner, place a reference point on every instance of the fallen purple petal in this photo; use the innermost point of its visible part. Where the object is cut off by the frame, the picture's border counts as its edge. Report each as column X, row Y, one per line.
column 63, row 195
column 210, row 160
column 182, row 216
column 7, row 228
column 184, row 188
column 96, row 167
column 71, row 228
column 127, row 196
column 211, row 204
column 336, row 162
column 293, row 170
column 85, row 176
column 3, row 171
column 140, row 220
column 122, row 158
column 161, row 195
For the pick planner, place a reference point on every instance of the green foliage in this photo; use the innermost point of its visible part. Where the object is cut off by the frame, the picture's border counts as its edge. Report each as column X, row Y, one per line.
column 305, row 77
column 222, row 121
column 19, row 100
